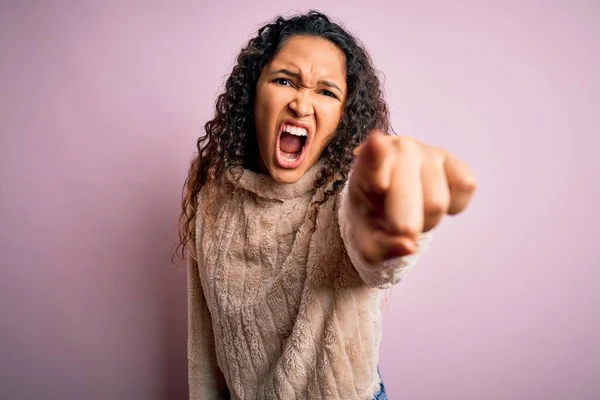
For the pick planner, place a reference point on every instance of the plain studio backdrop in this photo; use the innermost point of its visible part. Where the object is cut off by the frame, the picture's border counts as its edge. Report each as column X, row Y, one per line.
column 100, row 106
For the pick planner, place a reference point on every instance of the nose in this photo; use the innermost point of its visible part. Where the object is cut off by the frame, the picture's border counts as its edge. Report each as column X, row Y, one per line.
column 302, row 104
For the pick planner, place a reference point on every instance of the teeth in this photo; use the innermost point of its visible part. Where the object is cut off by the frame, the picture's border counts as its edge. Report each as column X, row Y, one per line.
column 295, row 130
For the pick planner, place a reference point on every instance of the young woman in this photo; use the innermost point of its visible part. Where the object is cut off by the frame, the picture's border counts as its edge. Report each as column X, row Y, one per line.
column 298, row 209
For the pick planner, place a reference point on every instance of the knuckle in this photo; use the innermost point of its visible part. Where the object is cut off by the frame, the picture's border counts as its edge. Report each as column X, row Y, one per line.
column 407, row 145
column 406, row 142
column 466, row 184
column 379, row 141
column 436, row 207
column 411, row 230
column 437, row 155
column 437, row 202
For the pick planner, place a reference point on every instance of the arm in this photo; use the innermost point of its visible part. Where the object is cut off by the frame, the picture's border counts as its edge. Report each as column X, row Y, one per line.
column 205, row 379
column 397, row 192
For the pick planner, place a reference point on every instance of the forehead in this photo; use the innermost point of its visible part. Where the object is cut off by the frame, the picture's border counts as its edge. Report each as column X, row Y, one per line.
column 312, row 57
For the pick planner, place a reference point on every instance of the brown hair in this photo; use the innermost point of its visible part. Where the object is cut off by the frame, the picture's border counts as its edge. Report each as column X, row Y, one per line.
column 230, row 139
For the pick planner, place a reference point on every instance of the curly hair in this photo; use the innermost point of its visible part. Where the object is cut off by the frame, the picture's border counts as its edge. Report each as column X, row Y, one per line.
column 230, row 139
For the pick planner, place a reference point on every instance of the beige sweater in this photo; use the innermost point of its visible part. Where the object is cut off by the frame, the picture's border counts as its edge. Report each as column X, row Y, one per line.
column 281, row 306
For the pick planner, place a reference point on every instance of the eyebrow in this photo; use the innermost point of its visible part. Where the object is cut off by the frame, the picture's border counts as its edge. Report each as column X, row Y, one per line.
column 296, row 75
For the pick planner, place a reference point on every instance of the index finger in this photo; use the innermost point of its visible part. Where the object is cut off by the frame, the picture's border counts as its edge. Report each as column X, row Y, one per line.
column 404, row 206
column 373, row 165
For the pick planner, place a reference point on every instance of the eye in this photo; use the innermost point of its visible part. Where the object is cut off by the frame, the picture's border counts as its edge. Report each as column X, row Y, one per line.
column 328, row 93
column 283, row 82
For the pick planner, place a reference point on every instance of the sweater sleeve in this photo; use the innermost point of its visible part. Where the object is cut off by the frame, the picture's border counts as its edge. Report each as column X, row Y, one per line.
column 205, row 379
column 384, row 274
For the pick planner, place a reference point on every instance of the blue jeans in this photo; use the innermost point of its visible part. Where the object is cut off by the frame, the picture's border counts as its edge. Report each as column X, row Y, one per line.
column 380, row 395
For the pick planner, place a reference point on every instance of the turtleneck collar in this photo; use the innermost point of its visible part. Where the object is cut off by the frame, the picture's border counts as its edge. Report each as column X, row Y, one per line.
column 264, row 186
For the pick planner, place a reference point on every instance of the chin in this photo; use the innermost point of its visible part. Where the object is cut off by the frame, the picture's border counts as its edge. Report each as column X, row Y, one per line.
column 283, row 175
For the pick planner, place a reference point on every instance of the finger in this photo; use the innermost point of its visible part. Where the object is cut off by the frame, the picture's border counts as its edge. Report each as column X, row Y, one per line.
column 461, row 183
column 436, row 194
column 373, row 166
column 357, row 149
column 395, row 246
column 376, row 246
column 404, row 199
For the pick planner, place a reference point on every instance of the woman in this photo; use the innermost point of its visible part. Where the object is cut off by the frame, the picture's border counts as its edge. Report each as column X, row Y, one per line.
column 298, row 209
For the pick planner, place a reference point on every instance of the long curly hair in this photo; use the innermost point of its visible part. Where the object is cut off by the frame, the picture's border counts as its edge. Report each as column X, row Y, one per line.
column 230, row 139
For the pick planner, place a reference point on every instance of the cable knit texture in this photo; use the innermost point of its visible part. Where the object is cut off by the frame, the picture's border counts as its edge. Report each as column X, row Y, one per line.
column 281, row 306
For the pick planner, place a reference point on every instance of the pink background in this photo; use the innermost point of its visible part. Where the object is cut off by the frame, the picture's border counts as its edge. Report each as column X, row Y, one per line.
column 100, row 106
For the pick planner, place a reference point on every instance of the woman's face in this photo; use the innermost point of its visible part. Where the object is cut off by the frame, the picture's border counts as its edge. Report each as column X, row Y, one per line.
column 299, row 101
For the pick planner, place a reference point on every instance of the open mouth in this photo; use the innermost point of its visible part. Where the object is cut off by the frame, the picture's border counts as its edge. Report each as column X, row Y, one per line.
column 291, row 145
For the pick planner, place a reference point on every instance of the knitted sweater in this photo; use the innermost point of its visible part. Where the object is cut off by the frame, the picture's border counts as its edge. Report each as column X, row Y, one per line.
column 280, row 304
